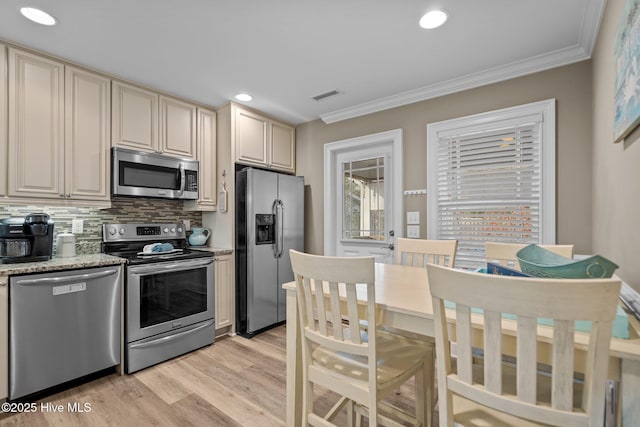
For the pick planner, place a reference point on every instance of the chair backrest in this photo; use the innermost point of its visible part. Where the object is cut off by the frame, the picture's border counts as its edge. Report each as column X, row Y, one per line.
column 505, row 253
column 562, row 300
column 419, row 252
column 328, row 307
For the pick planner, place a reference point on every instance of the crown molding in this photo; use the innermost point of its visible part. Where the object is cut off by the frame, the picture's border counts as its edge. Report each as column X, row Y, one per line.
column 582, row 51
column 470, row 81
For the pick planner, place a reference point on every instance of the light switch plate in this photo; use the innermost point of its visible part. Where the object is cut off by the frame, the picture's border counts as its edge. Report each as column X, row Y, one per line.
column 413, row 231
column 187, row 224
column 413, row 217
column 77, row 226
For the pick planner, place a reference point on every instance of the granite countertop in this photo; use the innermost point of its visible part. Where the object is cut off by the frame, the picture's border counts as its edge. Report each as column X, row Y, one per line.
column 54, row 264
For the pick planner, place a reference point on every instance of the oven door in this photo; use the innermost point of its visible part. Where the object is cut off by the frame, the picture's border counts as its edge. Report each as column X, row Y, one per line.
column 165, row 296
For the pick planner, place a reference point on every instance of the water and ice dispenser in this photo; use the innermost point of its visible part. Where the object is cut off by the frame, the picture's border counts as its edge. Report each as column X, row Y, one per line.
column 265, row 229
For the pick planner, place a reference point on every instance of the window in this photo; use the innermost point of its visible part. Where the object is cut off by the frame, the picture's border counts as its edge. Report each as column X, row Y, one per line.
column 491, row 177
column 363, row 207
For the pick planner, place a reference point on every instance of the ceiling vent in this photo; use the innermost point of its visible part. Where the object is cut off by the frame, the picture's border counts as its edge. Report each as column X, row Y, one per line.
column 326, row 95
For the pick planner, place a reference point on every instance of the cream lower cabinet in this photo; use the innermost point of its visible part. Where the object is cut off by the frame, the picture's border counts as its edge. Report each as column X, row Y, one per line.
column 207, row 156
column 224, row 293
column 144, row 120
column 4, row 336
column 263, row 142
column 58, row 130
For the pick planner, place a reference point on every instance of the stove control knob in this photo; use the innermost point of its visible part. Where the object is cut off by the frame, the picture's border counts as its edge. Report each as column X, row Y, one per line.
column 179, row 229
column 173, row 230
column 113, row 231
column 121, row 231
column 166, row 229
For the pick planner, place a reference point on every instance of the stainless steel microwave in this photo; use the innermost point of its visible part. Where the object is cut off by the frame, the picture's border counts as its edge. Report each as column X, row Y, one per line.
column 135, row 173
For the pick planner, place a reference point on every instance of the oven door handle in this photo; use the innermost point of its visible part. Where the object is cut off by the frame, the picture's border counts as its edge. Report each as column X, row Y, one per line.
column 163, row 340
column 182, row 265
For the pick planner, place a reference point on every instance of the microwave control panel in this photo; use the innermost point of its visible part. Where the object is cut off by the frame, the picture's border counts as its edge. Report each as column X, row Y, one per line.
column 191, row 181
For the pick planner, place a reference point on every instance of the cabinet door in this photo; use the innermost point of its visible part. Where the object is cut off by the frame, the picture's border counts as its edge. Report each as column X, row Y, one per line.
column 283, row 147
column 177, row 128
column 87, row 120
column 207, row 157
column 36, row 126
column 224, row 291
column 3, row 120
column 134, row 118
column 250, row 138
column 4, row 337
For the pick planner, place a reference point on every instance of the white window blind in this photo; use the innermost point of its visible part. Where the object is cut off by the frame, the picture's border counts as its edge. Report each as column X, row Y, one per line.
column 487, row 184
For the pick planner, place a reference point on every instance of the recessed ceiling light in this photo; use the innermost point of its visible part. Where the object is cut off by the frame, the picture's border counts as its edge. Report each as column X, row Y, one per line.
column 38, row 16
column 244, row 97
column 433, row 19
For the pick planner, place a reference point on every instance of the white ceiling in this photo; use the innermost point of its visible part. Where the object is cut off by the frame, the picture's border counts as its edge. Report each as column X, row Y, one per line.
column 284, row 52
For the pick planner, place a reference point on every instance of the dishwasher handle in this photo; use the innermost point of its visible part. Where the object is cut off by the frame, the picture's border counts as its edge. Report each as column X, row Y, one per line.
column 53, row 280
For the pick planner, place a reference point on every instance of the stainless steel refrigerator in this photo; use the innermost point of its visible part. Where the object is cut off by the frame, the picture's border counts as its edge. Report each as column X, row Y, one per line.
column 269, row 222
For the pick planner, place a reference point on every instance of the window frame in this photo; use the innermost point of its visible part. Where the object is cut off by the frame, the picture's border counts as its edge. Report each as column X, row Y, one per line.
column 487, row 120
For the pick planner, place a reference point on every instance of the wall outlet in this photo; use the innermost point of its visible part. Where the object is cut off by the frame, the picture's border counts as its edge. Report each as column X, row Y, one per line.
column 77, row 226
column 187, row 224
column 413, row 231
column 413, row 217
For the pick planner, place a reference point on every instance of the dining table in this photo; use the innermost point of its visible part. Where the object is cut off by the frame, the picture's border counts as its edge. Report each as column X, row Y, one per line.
column 404, row 303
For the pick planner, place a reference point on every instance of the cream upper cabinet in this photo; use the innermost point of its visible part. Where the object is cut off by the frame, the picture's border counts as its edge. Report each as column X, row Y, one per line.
column 263, row 142
column 59, row 122
column 4, row 336
column 177, row 127
column 36, row 126
column 134, row 118
column 224, row 291
column 3, row 119
column 206, row 154
column 251, row 138
column 143, row 120
column 283, row 147
column 87, row 120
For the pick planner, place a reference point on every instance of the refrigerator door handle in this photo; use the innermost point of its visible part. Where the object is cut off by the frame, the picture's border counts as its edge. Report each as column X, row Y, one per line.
column 280, row 221
column 276, row 243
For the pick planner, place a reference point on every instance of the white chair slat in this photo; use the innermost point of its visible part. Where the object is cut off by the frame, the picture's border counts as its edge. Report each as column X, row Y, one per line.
column 336, row 317
column 562, row 375
column 493, row 351
column 352, row 314
column 526, row 354
column 464, row 342
column 321, row 312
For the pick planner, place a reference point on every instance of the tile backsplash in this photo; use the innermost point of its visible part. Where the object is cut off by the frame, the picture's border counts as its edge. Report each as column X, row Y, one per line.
column 123, row 210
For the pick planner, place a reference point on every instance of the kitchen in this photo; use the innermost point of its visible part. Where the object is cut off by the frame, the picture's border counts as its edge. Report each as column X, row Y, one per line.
column 585, row 155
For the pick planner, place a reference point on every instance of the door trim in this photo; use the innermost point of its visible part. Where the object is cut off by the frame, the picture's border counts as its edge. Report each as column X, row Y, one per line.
column 331, row 151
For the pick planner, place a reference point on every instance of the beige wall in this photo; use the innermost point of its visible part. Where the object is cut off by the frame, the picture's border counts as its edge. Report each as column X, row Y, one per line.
column 569, row 85
column 616, row 176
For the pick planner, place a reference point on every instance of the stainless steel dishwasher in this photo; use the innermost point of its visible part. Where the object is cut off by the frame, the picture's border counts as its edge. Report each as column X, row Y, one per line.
column 62, row 326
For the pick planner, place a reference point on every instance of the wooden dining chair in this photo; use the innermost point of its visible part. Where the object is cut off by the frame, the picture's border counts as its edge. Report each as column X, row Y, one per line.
column 419, row 252
column 505, row 253
column 361, row 366
column 562, row 300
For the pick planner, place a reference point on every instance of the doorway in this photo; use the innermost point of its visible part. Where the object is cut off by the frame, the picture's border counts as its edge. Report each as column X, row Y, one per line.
column 363, row 195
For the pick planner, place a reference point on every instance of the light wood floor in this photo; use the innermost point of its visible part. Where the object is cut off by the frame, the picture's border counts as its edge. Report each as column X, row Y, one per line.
column 234, row 382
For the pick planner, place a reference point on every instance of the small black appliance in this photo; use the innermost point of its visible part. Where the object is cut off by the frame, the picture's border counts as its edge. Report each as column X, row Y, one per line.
column 26, row 239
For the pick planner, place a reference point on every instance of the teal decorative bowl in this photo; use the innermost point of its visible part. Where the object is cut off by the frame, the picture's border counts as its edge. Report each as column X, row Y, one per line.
column 540, row 262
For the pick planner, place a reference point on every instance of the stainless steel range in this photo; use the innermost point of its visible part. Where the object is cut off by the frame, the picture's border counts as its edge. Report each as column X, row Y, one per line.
column 169, row 292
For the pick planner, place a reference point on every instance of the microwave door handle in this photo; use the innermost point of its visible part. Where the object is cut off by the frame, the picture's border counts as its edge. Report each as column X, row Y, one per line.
column 182, row 179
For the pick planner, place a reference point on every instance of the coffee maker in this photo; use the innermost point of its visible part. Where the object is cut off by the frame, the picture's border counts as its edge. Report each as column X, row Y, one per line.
column 26, row 239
